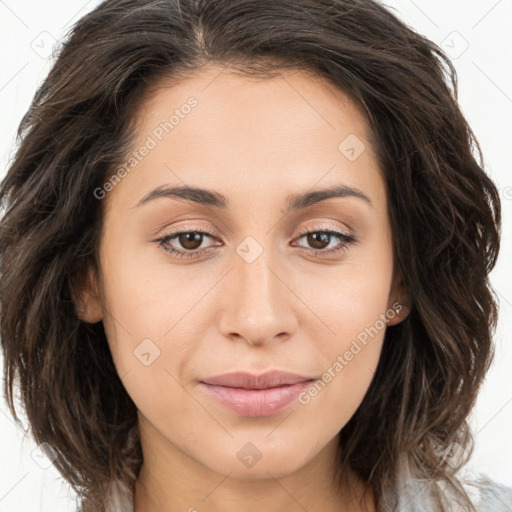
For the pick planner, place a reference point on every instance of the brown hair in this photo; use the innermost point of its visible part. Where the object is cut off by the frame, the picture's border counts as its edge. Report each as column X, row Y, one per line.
column 444, row 212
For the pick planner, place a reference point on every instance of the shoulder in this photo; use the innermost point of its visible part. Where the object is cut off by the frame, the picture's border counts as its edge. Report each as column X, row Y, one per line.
column 120, row 497
column 488, row 495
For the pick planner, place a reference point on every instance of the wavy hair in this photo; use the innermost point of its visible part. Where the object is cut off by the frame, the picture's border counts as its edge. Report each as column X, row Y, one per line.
column 444, row 212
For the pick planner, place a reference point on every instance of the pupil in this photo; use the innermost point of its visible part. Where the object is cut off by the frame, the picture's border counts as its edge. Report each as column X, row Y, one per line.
column 190, row 240
column 319, row 240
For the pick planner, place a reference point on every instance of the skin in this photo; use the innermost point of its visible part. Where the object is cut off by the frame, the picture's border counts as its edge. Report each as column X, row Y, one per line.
column 256, row 142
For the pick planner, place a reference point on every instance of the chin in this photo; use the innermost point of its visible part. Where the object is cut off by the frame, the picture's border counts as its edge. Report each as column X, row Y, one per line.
column 258, row 460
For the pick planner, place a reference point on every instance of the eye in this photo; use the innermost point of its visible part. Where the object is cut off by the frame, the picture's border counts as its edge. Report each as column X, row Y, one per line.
column 320, row 239
column 190, row 241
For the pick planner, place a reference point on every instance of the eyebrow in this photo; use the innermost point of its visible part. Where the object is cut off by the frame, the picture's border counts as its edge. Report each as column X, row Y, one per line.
column 214, row 199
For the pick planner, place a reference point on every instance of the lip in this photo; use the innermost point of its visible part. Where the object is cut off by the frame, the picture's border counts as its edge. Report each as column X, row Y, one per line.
column 246, row 380
column 256, row 395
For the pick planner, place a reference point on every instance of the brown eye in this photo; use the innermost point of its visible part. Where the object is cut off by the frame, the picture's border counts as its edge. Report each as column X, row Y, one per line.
column 185, row 244
column 318, row 239
column 191, row 240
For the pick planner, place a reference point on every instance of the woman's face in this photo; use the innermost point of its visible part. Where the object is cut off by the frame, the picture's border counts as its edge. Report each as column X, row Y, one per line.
column 253, row 293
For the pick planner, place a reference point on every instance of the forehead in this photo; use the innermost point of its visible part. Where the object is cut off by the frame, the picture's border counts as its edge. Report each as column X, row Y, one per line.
column 228, row 99
column 218, row 128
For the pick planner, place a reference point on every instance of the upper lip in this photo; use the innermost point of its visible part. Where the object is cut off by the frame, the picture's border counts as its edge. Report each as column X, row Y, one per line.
column 270, row 379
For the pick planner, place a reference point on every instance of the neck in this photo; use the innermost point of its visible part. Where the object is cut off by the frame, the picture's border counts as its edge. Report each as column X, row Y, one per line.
column 187, row 485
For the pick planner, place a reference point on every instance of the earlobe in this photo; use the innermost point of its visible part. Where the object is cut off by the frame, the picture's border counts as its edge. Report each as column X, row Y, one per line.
column 398, row 311
column 399, row 305
column 88, row 302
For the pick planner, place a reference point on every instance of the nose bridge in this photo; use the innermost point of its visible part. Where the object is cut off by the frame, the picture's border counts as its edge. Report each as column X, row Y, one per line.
column 258, row 308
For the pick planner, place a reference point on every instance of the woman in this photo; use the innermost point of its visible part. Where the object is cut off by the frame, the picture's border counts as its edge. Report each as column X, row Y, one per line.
column 245, row 262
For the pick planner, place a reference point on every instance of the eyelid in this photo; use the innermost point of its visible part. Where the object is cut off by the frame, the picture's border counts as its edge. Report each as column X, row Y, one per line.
column 188, row 228
column 214, row 233
column 325, row 227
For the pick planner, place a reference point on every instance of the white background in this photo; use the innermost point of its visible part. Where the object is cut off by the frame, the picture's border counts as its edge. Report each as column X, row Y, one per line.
column 30, row 28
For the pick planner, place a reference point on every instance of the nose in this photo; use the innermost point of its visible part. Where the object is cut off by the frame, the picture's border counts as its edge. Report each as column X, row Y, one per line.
column 258, row 306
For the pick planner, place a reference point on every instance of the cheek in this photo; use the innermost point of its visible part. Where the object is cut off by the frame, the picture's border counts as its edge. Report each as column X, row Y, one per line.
column 148, row 342
column 353, row 309
column 353, row 300
column 146, row 314
column 350, row 356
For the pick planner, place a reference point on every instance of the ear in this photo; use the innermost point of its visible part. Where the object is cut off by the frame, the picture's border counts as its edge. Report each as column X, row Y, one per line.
column 87, row 297
column 399, row 302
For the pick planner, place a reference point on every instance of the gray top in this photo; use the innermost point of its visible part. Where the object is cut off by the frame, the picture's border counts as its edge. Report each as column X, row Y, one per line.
column 487, row 496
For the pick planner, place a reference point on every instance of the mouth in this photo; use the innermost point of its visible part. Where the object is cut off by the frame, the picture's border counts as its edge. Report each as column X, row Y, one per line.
column 256, row 395
column 246, row 380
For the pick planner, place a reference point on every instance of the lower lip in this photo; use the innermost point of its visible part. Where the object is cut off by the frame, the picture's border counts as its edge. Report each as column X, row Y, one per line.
column 256, row 402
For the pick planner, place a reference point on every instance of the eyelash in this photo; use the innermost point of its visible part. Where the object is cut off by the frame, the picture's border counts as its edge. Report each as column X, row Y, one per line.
column 346, row 239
